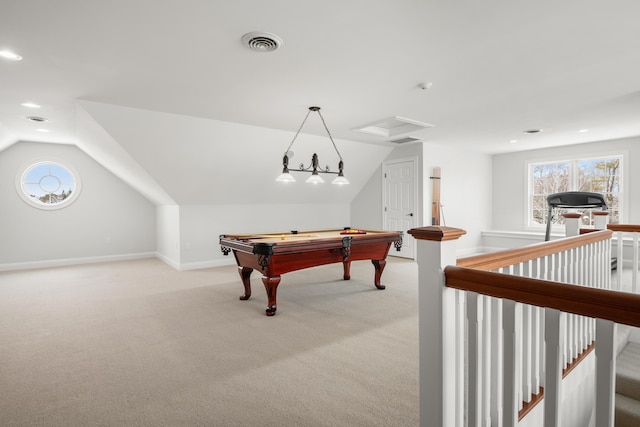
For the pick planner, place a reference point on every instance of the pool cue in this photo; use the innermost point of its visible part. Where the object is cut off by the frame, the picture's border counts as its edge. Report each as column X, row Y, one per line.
column 435, row 206
column 272, row 236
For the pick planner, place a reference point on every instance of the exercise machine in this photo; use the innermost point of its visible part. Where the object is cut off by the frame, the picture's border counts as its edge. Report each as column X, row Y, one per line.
column 572, row 200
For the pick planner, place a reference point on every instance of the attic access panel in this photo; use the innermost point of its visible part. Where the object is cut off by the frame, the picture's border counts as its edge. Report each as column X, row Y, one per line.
column 392, row 126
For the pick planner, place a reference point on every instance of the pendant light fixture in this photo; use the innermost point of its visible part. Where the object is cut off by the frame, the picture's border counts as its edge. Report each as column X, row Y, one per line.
column 314, row 168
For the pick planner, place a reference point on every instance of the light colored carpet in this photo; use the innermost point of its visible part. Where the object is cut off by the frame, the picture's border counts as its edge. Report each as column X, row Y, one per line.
column 139, row 344
column 628, row 386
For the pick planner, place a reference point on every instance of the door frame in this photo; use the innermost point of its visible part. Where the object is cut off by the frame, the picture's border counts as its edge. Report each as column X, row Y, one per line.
column 416, row 202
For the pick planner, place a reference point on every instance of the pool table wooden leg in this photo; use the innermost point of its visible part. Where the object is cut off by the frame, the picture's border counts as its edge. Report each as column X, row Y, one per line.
column 271, row 285
column 347, row 270
column 245, row 275
column 379, row 265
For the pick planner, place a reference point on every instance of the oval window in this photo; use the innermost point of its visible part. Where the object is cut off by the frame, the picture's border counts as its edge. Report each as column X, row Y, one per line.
column 48, row 185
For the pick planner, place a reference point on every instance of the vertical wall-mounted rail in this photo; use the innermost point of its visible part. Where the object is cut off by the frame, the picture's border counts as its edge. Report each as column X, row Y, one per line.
column 441, row 330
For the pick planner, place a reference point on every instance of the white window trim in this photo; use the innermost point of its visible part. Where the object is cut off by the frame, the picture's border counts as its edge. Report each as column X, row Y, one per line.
column 624, row 154
column 29, row 200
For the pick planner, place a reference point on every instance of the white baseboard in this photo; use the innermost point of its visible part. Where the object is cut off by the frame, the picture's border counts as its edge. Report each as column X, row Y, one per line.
column 31, row 265
column 463, row 253
column 73, row 261
column 169, row 261
column 206, row 264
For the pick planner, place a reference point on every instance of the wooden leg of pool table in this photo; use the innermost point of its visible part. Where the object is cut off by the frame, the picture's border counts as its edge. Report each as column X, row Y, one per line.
column 379, row 265
column 347, row 270
column 245, row 275
column 271, row 285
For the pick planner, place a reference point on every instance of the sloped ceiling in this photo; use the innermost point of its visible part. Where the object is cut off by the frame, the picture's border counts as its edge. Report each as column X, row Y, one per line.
column 497, row 68
column 204, row 161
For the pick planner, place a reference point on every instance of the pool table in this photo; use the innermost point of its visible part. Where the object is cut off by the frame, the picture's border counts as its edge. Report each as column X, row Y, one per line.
column 277, row 253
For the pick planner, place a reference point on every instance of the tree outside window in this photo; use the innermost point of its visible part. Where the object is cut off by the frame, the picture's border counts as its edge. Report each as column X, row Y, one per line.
column 597, row 175
column 48, row 185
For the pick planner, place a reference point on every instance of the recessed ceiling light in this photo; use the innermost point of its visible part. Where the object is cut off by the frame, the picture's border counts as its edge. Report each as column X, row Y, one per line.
column 583, row 130
column 7, row 54
column 532, row 131
column 43, row 130
column 513, row 141
column 31, row 105
column 37, row 119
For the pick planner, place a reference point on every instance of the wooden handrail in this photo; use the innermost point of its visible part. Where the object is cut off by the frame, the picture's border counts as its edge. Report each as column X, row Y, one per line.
column 628, row 228
column 494, row 260
column 620, row 307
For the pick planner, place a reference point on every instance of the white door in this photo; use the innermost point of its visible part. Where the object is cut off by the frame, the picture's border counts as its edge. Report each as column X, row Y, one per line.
column 400, row 201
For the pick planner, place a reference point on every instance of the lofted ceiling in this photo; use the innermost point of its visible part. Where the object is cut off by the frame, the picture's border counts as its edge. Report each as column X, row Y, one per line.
column 495, row 68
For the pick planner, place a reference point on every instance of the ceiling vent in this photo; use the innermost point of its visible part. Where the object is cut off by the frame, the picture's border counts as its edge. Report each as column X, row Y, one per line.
column 392, row 126
column 36, row 119
column 405, row 140
column 261, row 42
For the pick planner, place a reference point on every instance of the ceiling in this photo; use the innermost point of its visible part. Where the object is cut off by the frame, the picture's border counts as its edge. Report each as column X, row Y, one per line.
column 496, row 68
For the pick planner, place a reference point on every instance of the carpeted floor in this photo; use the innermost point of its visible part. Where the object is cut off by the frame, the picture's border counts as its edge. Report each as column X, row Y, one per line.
column 139, row 344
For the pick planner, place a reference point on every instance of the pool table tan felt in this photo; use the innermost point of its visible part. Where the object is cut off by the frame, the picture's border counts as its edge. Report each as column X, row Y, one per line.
column 274, row 254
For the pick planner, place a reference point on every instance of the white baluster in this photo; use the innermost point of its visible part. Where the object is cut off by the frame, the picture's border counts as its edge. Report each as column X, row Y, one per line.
column 486, row 368
column 497, row 361
column 620, row 268
column 511, row 320
column 476, row 352
column 634, row 271
column 553, row 332
column 605, row 372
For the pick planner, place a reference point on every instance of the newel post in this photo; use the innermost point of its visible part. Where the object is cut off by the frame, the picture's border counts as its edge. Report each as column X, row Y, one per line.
column 441, row 358
column 572, row 223
column 600, row 220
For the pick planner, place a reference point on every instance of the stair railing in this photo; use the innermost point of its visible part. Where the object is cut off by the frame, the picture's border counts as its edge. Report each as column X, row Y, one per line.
column 495, row 312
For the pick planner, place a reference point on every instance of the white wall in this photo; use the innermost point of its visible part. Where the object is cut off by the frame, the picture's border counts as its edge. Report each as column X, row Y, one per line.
column 465, row 191
column 366, row 207
column 202, row 225
column 168, row 234
column 509, row 179
column 6, row 139
column 108, row 220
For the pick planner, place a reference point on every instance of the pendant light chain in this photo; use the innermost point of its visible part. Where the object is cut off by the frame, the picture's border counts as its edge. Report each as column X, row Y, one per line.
column 298, row 133
column 328, row 133
column 323, row 124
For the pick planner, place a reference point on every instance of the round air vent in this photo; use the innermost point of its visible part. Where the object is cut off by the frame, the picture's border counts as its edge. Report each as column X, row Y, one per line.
column 261, row 42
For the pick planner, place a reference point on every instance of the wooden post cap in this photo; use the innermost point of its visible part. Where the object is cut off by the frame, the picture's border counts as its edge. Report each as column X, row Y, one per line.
column 572, row 215
column 437, row 233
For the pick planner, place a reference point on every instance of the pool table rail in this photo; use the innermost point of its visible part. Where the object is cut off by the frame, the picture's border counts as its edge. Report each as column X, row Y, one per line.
column 304, row 250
